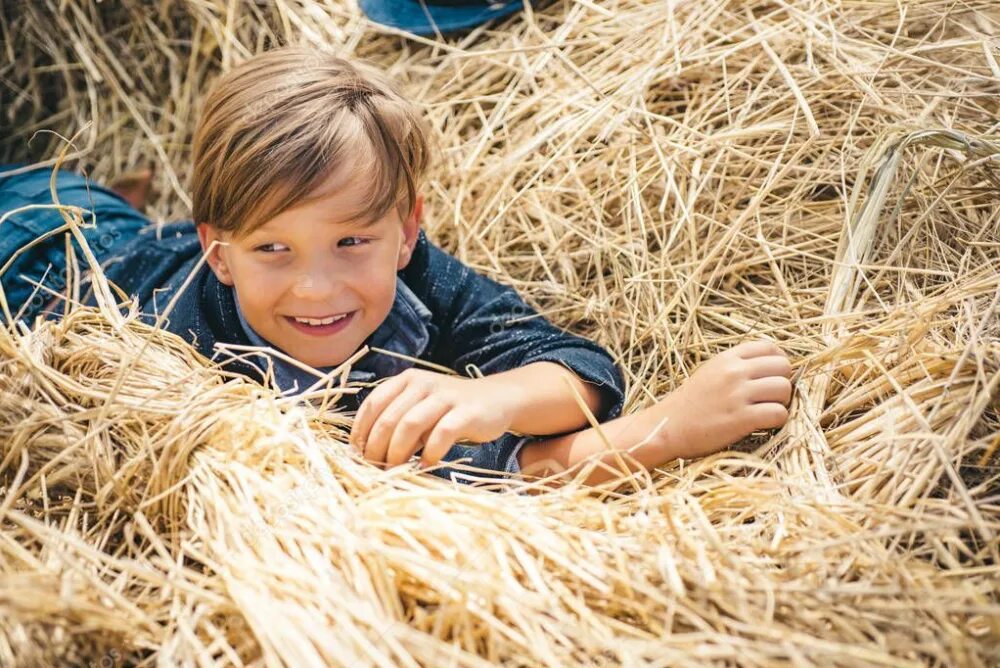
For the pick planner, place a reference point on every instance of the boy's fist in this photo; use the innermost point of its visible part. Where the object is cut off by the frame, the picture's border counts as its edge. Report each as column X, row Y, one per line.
column 418, row 408
column 741, row 390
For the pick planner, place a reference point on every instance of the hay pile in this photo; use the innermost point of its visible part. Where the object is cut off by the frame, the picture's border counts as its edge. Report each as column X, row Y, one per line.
column 669, row 178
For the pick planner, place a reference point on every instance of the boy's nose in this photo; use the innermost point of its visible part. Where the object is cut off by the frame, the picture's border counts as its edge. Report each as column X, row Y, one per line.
column 313, row 285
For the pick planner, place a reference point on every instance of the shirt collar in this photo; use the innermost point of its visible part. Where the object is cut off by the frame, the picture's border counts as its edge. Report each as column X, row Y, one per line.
column 406, row 330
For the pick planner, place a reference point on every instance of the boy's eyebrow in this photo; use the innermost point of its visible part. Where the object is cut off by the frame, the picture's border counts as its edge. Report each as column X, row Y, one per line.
column 361, row 221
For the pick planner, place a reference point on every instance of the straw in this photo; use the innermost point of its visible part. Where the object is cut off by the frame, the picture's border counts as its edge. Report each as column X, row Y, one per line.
column 666, row 178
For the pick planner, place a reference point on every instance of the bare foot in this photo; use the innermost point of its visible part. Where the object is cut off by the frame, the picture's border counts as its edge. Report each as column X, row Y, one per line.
column 134, row 186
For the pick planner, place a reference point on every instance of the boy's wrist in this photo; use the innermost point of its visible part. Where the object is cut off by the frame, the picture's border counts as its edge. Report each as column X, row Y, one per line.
column 506, row 396
column 682, row 432
column 537, row 400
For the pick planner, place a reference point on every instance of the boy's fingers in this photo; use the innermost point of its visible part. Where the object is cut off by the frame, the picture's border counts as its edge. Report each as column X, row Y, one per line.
column 770, row 365
column 769, row 415
column 377, row 445
column 371, row 408
column 418, row 422
column 442, row 437
column 749, row 349
column 773, row 388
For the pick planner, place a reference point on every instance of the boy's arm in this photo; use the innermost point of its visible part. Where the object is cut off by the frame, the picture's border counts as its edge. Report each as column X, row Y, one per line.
column 644, row 436
column 479, row 322
column 548, row 402
column 739, row 391
column 488, row 325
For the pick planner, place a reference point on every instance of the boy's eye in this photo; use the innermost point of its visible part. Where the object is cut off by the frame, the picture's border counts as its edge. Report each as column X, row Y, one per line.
column 353, row 241
column 348, row 242
column 269, row 248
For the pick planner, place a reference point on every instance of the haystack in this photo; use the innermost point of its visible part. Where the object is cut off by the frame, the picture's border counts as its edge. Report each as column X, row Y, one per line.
column 669, row 178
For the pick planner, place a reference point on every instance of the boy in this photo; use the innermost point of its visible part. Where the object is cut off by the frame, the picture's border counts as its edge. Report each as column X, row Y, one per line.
column 307, row 169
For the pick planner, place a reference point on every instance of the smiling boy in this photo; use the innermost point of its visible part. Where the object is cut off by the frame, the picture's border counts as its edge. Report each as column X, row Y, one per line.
column 307, row 209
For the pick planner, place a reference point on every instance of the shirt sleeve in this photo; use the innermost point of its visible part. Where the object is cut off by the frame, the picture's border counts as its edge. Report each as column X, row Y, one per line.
column 489, row 325
column 494, row 462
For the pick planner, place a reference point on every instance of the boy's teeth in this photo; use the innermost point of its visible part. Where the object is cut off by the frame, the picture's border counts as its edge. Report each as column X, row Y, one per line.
column 323, row 321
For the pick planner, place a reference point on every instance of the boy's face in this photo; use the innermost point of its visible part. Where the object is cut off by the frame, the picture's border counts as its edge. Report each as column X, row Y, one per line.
column 316, row 261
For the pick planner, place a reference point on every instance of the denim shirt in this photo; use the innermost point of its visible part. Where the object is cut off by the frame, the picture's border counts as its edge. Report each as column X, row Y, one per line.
column 444, row 312
column 408, row 335
column 409, row 338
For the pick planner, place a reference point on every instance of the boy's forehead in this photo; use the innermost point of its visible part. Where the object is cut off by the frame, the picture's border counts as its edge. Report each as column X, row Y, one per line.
column 344, row 218
column 340, row 199
column 342, row 180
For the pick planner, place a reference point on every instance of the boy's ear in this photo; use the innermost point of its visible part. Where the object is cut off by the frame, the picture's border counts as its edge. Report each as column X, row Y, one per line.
column 411, row 227
column 216, row 258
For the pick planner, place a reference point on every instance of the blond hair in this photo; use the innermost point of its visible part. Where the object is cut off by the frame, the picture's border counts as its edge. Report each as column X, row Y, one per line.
column 279, row 124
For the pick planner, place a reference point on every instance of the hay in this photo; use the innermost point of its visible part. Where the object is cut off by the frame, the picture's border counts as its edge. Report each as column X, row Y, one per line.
column 819, row 172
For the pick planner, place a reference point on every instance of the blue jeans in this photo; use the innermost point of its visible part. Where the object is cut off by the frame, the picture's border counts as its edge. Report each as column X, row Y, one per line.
column 117, row 222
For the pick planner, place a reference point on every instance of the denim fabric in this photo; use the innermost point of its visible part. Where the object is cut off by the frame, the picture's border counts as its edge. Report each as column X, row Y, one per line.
column 117, row 223
column 432, row 17
column 474, row 321
column 444, row 313
column 410, row 337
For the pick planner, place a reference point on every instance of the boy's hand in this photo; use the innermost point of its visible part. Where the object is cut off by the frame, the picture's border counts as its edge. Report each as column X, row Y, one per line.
column 418, row 408
column 740, row 390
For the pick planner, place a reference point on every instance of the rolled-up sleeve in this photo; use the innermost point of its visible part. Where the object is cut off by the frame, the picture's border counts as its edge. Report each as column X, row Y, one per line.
column 484, row 464
column 486, row 325
column 495, row 330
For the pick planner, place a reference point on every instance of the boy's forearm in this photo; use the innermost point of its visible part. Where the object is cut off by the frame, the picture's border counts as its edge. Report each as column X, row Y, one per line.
column 643, row 435
column 545, row 403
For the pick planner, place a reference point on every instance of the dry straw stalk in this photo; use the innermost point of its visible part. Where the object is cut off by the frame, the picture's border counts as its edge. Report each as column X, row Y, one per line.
column 667, row 177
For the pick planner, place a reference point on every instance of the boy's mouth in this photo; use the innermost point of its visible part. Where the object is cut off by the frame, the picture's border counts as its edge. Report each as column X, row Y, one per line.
column 321, row 326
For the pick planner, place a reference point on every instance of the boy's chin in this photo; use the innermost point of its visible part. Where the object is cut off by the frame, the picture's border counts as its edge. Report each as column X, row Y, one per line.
column 321, row 361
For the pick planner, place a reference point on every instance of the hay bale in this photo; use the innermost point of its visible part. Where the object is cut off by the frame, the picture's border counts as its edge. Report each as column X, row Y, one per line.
column 819, row 172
